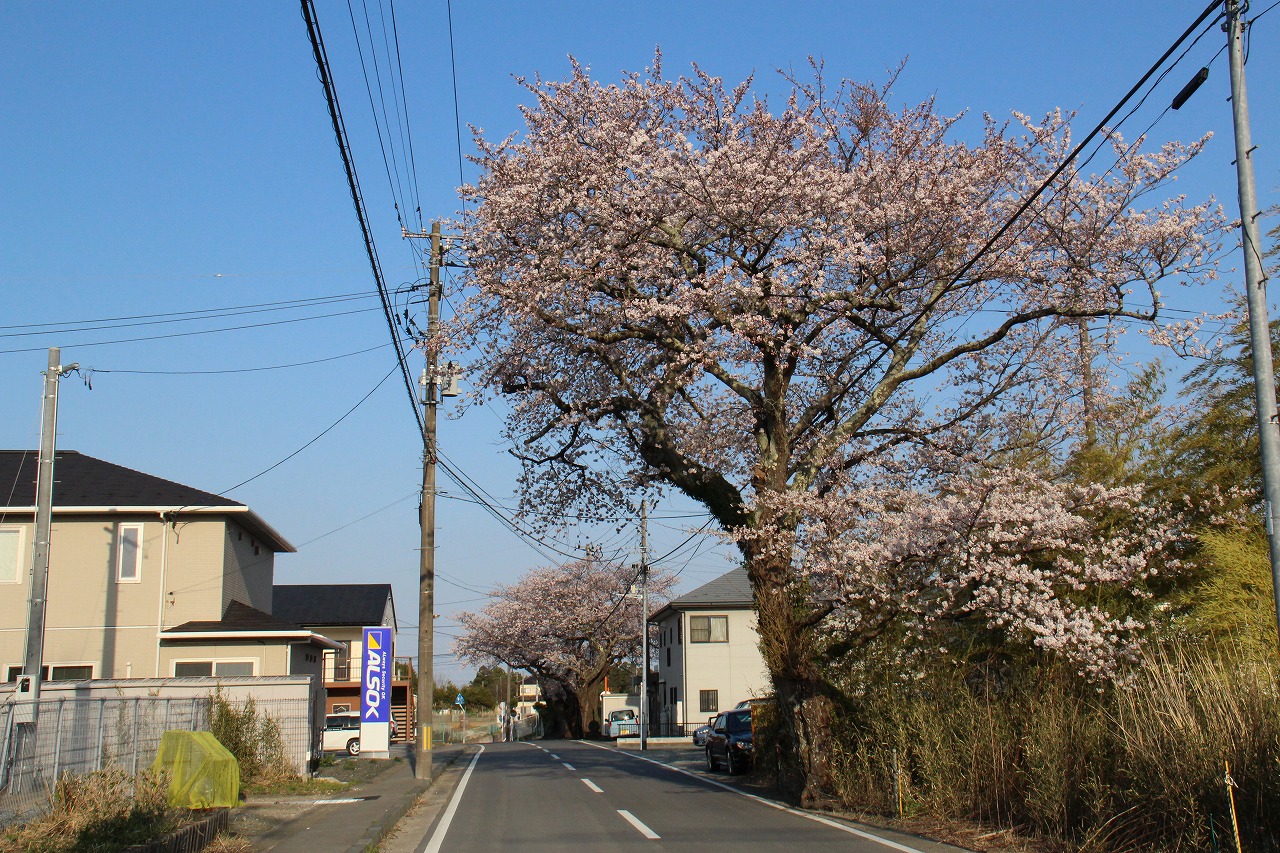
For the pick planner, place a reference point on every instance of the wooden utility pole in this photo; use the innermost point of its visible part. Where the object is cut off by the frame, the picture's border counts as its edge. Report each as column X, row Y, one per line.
column 427, row 516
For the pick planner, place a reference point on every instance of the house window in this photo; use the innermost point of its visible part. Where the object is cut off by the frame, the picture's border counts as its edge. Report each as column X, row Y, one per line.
column 129, row 553
column 674, row 695
column 668, row 656
column 10, row 553
column 708, row 700
column 708, row 629
column 78, row 672
column 210, row 668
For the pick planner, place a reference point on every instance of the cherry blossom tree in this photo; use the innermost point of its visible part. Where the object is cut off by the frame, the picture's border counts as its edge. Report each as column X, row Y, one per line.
column 570, row 624
column 679, row 284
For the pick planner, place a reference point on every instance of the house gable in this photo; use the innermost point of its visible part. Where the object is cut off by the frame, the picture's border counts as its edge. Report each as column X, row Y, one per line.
column 130, row 554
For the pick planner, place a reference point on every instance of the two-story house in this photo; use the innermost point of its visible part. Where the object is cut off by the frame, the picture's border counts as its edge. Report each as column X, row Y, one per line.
column 341, row 612
column 708, row 652
column 148, row 578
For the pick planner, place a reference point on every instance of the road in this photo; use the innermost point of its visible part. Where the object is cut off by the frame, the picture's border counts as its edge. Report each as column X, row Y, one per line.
column 574, row 795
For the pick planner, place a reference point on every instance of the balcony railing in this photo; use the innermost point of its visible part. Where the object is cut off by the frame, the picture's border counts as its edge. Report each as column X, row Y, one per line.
column 349, row 670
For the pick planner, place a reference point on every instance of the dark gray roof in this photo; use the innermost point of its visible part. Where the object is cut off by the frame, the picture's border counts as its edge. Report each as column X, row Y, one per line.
column 359, row 604
column 80, row 480
column 238, row 617
column 730, row 591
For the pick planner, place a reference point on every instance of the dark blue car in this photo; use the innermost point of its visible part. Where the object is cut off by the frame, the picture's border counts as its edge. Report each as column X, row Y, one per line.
column 730, row 741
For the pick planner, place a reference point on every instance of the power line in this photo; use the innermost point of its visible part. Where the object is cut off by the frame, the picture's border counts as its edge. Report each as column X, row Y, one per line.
column 1026, row 205
column 314, row 440
column 178, row 316
column 200, row 332
column 93, row 370
column 353, row 184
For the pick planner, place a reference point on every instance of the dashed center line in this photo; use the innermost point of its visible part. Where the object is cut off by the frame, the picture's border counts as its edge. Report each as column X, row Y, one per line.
column 593, row 786
column 568, row 766
column 553, row 755
column 634, row 821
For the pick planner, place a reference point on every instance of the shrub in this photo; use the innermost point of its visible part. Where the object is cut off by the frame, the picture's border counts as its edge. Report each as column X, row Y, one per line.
column 254, row 739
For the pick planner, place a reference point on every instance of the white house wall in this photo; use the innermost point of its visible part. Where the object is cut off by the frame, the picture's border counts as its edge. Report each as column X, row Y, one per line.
column 735, row 669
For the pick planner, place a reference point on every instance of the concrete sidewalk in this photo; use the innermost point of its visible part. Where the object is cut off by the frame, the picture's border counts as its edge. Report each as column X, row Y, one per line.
column 349, row 822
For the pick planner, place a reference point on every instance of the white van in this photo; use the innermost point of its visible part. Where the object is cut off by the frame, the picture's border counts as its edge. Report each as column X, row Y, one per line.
column 341, row 733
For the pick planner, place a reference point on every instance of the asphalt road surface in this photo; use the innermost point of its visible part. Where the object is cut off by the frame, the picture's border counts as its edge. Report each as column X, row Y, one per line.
column 574, row 795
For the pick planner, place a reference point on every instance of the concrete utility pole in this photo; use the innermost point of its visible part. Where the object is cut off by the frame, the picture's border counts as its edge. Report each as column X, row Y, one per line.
column 1256, row 288
column 37, row 603
column 644, row 627
column 427, row 520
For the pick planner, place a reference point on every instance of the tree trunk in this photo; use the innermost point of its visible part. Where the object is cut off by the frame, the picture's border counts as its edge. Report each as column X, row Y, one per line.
column 796, row 740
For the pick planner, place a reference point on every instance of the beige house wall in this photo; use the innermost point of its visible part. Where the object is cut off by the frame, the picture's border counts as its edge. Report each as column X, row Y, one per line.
column 267, row 659
column 249, row 567
column 92, row 618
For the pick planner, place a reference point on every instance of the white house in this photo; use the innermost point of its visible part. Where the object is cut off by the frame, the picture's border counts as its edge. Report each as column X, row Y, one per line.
column 708, row 652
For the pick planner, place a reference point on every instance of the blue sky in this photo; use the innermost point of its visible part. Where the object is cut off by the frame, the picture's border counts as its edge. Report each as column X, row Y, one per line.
column 160, row 159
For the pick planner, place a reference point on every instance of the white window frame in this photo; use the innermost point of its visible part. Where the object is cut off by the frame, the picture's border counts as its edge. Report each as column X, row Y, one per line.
column 213, row 662
column 19, row 554
column 711, row 622
column 120, row 534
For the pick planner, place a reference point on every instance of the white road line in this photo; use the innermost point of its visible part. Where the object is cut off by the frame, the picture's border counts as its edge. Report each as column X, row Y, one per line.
column 553, row 755
column 437, row 838
column 568, row 766
column 892, row 845
column 593, row 786
column 634, row 821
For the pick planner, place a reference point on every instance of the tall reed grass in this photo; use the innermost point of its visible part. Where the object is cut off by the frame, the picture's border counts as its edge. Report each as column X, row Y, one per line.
column 1138, row 766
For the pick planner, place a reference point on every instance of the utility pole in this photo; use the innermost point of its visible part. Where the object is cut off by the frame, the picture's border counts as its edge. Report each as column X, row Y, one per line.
column 427, row 518
column 37, row 603
column 1256, row 289
column 644, row 627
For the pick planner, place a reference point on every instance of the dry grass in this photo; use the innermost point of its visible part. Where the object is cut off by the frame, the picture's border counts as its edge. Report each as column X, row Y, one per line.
column 1130, row 769
column 97, row 813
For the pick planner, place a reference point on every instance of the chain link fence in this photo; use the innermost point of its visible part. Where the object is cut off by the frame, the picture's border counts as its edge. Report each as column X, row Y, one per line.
column 84, row 734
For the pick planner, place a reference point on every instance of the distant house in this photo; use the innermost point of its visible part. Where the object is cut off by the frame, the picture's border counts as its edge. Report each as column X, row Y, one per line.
column 529, row 694
column 708, row 652
column 340, row 612
column 148, row 578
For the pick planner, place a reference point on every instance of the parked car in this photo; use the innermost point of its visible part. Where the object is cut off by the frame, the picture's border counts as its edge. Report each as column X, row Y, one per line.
column 701, row 732
column 341, row 733
column 752, row 702
column 730, row 741
column 621, row 723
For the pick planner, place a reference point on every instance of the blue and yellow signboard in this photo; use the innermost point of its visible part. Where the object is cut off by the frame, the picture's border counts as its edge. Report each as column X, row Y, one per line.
column 375, row 687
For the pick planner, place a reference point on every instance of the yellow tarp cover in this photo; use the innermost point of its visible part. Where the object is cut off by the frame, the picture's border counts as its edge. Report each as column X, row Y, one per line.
column 203, row 774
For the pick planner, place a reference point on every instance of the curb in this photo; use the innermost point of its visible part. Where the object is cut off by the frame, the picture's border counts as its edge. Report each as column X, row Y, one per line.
column 381, row 827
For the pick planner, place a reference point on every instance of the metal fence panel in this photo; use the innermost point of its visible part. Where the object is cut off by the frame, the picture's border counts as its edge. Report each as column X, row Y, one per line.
column 83, row 734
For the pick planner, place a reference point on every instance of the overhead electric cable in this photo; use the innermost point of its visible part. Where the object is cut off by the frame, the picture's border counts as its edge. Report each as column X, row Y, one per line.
column 353, row 184
column 198, row 332
column 101, row 323
column 225, row 492
column 237, row 369
column 457, row 115
column 1030, row 200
